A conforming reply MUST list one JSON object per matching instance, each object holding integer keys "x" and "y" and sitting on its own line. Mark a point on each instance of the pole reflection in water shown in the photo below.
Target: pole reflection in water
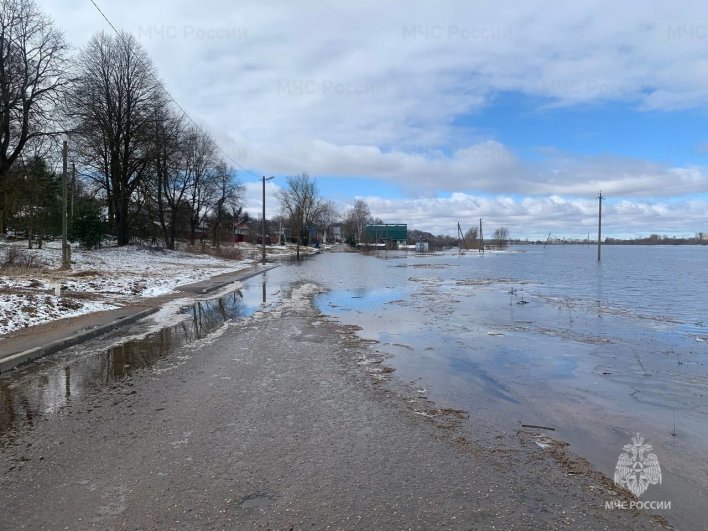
{"x": 45, "y": 387}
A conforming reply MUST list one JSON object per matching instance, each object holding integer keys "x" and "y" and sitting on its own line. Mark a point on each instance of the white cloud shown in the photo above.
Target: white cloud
{"x": 370, "y": 89}
{"x": 488, "y": 167}
{"x": 253, "y": 198}
{"x": 398, "y": 74}
{"x": 535, "y": 217}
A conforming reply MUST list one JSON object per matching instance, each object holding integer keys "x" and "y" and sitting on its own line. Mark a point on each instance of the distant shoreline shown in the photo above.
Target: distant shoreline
{"x": 663, "y": 243}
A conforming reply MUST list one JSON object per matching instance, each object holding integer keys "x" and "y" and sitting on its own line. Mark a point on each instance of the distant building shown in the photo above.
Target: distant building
{"x": 386, "y": 235}
{"x": 421, "y": 247}
{"x": 240, "y": 232}
{"x": 337, "y": 233}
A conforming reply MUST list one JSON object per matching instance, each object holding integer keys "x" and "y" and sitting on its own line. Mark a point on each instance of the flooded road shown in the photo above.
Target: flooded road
{"x": 269, "y": 423}
{"x": 44, "y": 387}
{"x": 599, "y": 352}
{"x": 549, "y": 337}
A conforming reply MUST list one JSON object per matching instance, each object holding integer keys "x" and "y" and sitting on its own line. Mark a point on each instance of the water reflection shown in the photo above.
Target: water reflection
{"x": 46, "y": 386}
{"x": 597, "y": 350}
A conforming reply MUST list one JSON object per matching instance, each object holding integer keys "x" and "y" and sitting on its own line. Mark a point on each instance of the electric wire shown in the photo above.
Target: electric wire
{"x": 169, "y": 94}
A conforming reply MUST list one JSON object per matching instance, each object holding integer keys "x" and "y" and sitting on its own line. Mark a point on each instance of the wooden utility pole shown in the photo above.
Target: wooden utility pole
{"x": 65, "y": 249}
{"x": 599, "y": 225}
{"x": 460, "y": 239}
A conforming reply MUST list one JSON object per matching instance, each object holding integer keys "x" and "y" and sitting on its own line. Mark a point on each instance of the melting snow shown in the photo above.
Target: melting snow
{"x": 99, "y": 280}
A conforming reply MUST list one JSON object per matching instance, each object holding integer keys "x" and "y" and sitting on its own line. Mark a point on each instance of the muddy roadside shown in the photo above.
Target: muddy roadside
{"x": 287, "y": 420}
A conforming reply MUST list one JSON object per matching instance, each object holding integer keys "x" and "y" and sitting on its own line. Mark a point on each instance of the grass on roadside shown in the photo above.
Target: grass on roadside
{"x": 16, "y": 261}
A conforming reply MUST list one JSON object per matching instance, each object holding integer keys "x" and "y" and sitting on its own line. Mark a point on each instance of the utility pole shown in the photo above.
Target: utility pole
{"x": 263, "y": 223}
{"x": 73, "y": 192}
{"x": 599, "y": 225}
{"x": 65, "y": 249}
{"x": 481, "y": 237}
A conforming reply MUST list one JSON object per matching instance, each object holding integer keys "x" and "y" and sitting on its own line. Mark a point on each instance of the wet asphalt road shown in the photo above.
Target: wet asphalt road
{"x": 272, "y": 425}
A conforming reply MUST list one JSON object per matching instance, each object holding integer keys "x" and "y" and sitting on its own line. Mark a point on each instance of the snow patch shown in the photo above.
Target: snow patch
{"x": 99, "y": 279}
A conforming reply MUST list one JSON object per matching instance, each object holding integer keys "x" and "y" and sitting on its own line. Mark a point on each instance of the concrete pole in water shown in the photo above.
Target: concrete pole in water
{"x": 263, "y": 223}
{"x": 599, "y": 225}
{"x": 481, "y": 237}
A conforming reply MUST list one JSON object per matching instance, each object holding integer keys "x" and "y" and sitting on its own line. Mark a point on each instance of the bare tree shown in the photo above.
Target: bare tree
{"x": 112, "y": 104}
{"x": 32, "y": 77}
{"x": 170, "y": 180}
{"x": 199, "y": 166}
{"x": 302, "y": 204}
{"x": 227, "y": 202}
{"x": 501, "y": 237}
{"x": 355, "y": 221}
{"x": 328, "y": 215}
{"x": 471, "y": 237}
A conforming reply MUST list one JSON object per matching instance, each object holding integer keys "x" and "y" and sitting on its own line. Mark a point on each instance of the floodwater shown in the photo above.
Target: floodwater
{"x": 549, "y": 337}
{"x": 46, "y": 386}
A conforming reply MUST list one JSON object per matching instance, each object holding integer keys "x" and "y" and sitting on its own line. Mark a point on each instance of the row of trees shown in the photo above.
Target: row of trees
{"x": 500, "y": 238}
{"x": 143, "y": 167}
{"x": 699, "y": 238}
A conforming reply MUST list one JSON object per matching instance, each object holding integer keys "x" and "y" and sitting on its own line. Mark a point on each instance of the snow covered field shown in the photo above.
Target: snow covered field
{"x": 98, "y": 280}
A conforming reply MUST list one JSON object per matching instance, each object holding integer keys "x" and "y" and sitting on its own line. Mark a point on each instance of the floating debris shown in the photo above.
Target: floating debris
{"x": 537, "y": 427}
{"x": 543, "y": 441}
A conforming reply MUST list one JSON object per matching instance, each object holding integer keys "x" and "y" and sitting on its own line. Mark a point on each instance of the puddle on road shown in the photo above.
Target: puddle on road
{"x": 257, "y": 501}
{"x": 43, "y": 387}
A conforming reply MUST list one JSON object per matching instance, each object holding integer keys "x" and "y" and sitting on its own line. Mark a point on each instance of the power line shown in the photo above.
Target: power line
{"x": 169, "y": 94}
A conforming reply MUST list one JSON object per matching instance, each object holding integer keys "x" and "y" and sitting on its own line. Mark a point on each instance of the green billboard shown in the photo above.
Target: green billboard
{"x": 387, "y": 232}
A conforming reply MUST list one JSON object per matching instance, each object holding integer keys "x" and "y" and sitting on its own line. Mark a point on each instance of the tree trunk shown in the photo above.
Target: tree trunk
{"x": 173, "y": 235}
{"x": 192, "y": 231}
{"x": 3, "y": 200}
{"x": 161, "y": 212}
{"x": 122, "y": 220}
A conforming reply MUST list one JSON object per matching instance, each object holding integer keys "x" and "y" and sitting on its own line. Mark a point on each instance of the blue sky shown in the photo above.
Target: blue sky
{"x": 528, "y": 125}
{"x": 438, "y": 113}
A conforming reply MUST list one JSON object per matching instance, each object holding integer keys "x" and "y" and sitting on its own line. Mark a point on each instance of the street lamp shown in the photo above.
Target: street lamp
{"x": 65, "y": 247}
{"x": 263, "y": 232}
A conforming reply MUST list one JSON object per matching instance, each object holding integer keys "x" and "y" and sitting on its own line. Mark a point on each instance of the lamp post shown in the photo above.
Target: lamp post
{"x": 65, "y": 248}
{"x": 263, "y": 231}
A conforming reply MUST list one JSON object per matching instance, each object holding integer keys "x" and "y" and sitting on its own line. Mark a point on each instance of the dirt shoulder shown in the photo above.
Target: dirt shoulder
{"x": 276, "y": 423}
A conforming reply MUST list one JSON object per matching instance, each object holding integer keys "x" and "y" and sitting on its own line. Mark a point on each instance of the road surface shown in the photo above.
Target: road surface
{"x": 272, "y": 424}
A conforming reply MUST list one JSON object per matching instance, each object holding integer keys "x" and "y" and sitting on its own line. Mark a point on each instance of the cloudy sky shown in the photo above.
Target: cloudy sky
{"x": 443, "y": 112}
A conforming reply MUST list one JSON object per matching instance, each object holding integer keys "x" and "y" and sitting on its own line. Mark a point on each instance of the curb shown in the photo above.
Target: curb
{"x": 240, "y": 279}
{"x": 13, "y": 361}
{"x": 20, "y": 358}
